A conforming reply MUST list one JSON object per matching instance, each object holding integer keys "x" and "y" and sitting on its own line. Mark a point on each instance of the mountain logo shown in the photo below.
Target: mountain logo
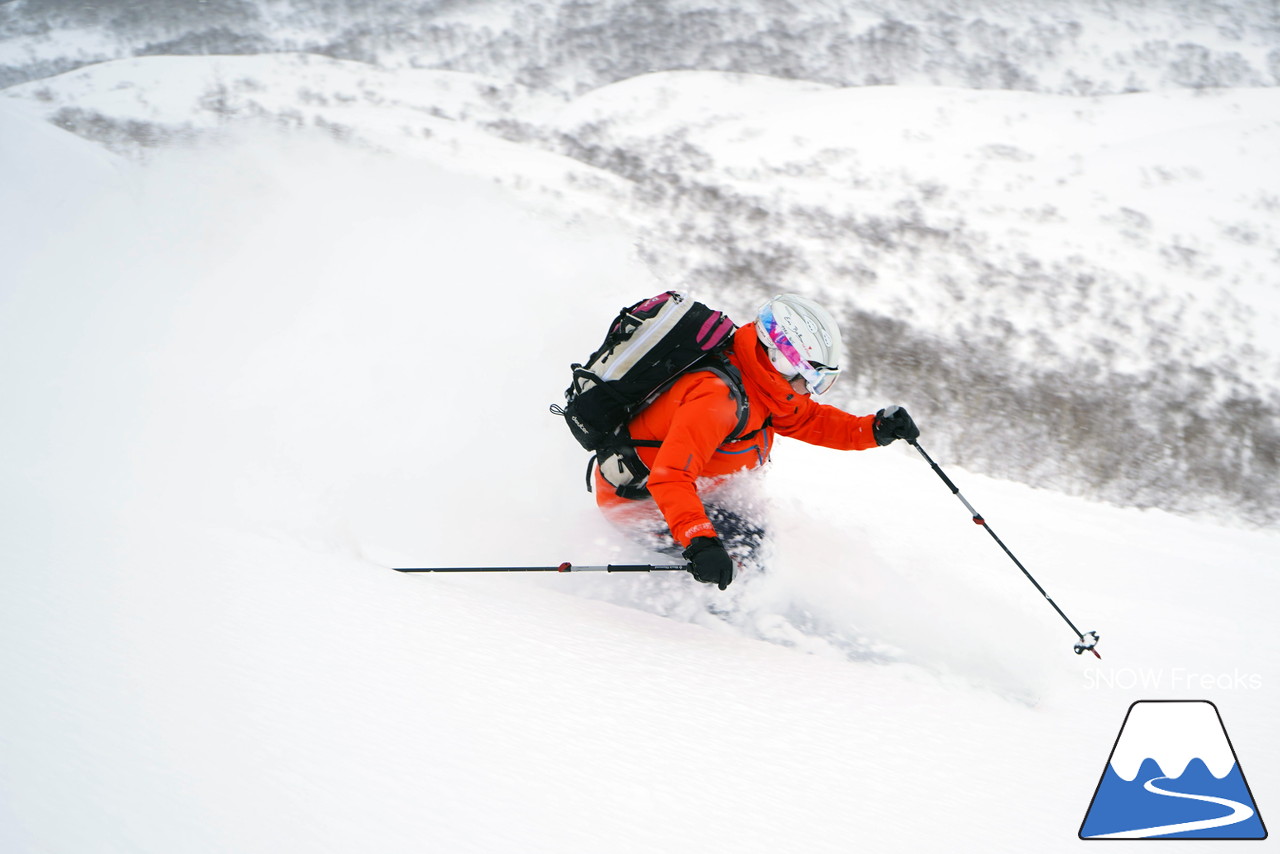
{"x": 1173, "y": 774}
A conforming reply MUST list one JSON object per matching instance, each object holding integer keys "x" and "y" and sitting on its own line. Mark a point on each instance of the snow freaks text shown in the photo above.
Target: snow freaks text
{"x": 1171, "y": 679}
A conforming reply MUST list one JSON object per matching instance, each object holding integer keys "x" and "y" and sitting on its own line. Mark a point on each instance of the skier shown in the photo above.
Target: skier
{"x": 791, "y": 351}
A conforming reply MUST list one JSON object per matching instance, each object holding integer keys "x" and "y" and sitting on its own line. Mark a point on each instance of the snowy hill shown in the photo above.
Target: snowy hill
{"x": 1079, "y": 47}
{"x": 1076, "y": 292}
{"x": 272, "y": 325}
{"x": 230, "y": 425}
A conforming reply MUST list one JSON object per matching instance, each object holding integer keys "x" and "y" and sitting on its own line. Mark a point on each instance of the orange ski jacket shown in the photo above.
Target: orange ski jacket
{"x": 694, "y": 417}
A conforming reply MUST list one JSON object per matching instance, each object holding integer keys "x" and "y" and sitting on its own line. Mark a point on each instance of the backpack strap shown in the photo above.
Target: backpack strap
{"x": 620, "y": 449}
{"x": 732, "y": 377}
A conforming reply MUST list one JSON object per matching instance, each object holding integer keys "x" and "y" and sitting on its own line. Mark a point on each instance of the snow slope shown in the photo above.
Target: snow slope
{"x": 243, "y": 380}
{"x": 1026, "y": 175}
{"x": 1079, "y": 47}
{"x": 1099, "y": 267}
{"x": 1139, "y": 185}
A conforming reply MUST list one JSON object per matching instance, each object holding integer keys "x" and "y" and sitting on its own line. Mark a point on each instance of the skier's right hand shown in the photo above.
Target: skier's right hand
{"x": 893, "y": 422}
{"x": 709, "y": 562}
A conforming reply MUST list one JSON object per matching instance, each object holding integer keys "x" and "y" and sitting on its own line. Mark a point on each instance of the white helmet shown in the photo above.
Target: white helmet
{"x": 802, "y": 338}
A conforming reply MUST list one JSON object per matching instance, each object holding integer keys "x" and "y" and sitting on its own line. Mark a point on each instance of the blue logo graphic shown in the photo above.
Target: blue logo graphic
{"x": 1173, "y": 774}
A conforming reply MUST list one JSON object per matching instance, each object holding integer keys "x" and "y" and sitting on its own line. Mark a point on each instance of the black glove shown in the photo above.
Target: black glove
{"x": 709, "y": 562}
{"x": 893, "y": 422}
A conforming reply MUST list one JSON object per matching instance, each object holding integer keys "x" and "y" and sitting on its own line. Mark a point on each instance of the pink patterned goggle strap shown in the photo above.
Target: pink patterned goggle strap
{"x": 818, "y": 378}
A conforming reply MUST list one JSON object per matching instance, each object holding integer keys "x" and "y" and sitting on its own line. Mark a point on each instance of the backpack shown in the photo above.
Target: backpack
{"x": 648, "y": 347}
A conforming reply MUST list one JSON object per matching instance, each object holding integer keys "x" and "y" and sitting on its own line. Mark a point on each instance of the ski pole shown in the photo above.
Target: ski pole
{"x": 564, "y": 567}
{"x": 1092, "y": 643}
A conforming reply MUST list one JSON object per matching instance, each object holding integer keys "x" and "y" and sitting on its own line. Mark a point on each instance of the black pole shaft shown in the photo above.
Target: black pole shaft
{"x": 977, "y": 518}
{"x": 564, "y": 567}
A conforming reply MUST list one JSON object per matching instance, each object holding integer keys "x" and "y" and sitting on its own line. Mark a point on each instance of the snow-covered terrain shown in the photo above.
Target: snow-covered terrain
{"x": 1080, "y": 290}
{"x": 1078, "y": 47}
{"x": 270, "y": 326}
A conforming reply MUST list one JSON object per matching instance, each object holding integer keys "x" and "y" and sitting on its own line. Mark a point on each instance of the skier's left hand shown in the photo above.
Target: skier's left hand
{"x": 893, "y": 422}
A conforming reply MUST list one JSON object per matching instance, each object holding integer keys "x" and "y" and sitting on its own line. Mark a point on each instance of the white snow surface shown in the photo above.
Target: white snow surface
{"x": 243, "y": 381}
{"x": 1172, "y": 192}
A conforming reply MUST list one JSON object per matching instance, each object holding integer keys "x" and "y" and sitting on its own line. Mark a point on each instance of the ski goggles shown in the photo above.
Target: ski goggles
{"x": 818, "y": 378}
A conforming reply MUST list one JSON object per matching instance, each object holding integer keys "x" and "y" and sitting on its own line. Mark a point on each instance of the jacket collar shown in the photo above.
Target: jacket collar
{"x": 762, "y": 381}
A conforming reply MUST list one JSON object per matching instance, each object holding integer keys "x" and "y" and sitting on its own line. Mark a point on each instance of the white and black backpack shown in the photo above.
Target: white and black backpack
{"x": 648, "y": 347}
